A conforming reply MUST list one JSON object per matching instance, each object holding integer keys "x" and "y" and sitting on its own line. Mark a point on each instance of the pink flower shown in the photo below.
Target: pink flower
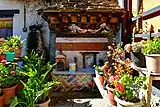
{"x": 116, "y": 77}
{"x": 104, "y": 68}
{"x": 111, "y": 79}
{"x": 2, "y": 39}
{"x": 4, "y": 61}
{"x": 12, "y": 73}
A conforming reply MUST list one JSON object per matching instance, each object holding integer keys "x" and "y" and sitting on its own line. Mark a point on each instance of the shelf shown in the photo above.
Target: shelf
{"x": 150, "y": 77}
{"x": 87, "y": 71}
{"x": 144, "y": 71}
{"x": 145, "y": 36}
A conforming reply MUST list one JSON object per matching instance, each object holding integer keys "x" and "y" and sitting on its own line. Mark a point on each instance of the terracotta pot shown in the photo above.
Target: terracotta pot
{"x": 20, "y": 85}
{"x": 9, "y": 93}
{"x": 153, "y": 63}
{"x": 122, "y": 103}
{"x": 111, "y": 96}
{"x": 2, "y": 57}
{"x": 1, "y": 100}
{"x": 18, "y": 52}
{"x": 101, "y": 79}
{"x": 45, "y": 104}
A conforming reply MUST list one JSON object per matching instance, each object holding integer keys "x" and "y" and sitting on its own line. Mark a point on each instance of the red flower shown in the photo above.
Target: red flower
{"x": 120, "y": 87}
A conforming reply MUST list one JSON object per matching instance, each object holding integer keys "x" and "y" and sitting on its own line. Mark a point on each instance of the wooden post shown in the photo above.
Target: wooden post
{"x": 130, "y": 9}
{"x": 148, "y": 92}
{"x": 52, "y": 46}
{"x": 140, "y": 23}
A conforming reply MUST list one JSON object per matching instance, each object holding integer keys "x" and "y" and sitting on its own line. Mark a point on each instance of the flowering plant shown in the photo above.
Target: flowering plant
{"x": 118, "y": 68}
{"x": 128, "y": 88}
{"x": 7, "y": 76}
{"x": 114, "y": 67}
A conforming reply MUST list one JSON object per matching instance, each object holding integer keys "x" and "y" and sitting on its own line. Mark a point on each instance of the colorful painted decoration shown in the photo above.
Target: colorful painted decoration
{"x": 83, "y": 19}
{"x": 64, "y": 19}
{"x": 74, "y": 18}
{"x": 53, "y": 19}
{"x": 93, "y": 19}
{"x": 6, "y": 22}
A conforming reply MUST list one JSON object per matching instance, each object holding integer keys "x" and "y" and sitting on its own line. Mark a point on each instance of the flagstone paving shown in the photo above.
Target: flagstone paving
{"x": 82, "y": 103}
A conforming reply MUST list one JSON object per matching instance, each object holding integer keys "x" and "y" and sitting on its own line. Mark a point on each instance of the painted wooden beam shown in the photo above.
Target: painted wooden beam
{"x": 149, "y": 14}
{"x": 8, "y": 12}
{"x": 82, "y": 46}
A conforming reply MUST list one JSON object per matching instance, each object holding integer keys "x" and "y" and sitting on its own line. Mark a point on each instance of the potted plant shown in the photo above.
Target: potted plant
{"x": 151, "y": 50}
{"x": 37, "y": 88}
{"x": 1, "y": 98}
{"x": 37, "y": 85}
{"x": 116, "y": 69}
{"x": 2, "y": 54}
{"x": 16, "y": 44}
{"x": 100, "y": 70}
{"x": 3, "y": 48}
{"x": 7, "y": 82}
{"x": 127, "y": 90}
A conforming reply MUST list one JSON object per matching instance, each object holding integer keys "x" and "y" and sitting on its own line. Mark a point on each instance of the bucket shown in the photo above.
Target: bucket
{"x": 72, "y": 67}
{"x": 10, "y": 56}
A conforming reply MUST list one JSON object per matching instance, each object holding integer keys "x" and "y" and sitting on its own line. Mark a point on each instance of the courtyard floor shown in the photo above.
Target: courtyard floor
{"x": 96, "y": 102}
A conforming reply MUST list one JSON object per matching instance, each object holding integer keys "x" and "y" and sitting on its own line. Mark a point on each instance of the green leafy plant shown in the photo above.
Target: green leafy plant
{"x": 128, "y": 88}
{"x": 4, "y": 47}
{"x": 15, "y": 42}
{"x": 152, "y": 46}
{"x": 137, "y": 46}
{"x": 11, "y": 44}
{"x": 37, "y": 87}
{"x": 39, "y": 65}
{"x": 8, "y": 77}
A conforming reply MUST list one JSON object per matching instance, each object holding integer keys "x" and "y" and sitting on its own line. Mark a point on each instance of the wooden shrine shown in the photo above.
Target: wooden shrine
{"x": 82, "y": 26}
{"x": 80, "y": 19}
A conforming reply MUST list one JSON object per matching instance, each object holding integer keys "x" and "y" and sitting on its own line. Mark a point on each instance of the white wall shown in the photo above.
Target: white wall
{"x": 71, "y": 54}
{"x": 18, "y": 20}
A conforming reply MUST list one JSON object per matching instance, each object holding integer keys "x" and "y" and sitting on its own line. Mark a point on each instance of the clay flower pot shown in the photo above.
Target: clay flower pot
{"x": 2, "y": 57}
{"x": 1, "y": 100}
{"x": 8, "y": 94}
{"x": 18, "y": 52}
{"x": 111, "y": 95}
{"x": 20, "y": 85}
{"x": 101, "y": 79}
{"x": 45, "y": 104}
